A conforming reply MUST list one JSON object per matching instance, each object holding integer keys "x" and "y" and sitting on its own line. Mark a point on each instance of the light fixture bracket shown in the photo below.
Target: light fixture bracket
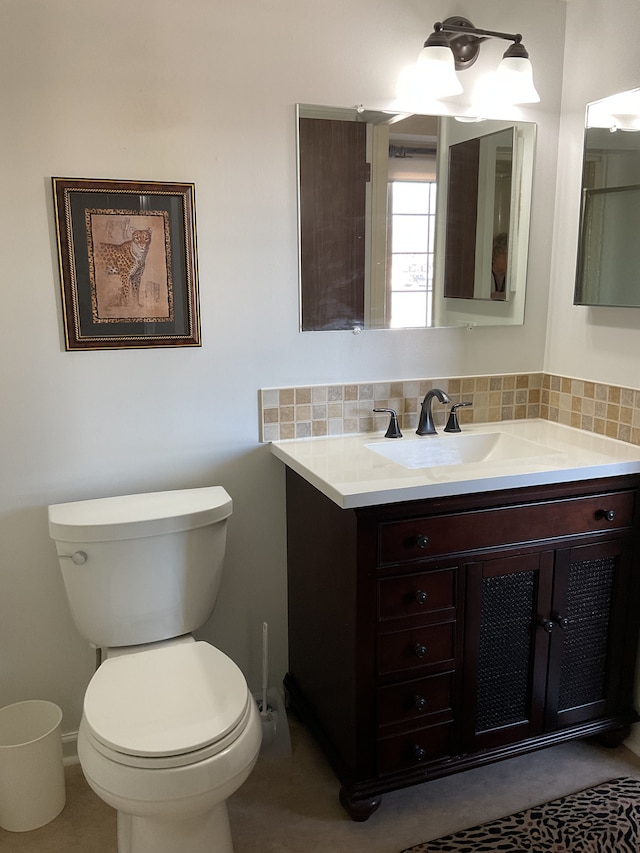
{"x": 464, "y": 39}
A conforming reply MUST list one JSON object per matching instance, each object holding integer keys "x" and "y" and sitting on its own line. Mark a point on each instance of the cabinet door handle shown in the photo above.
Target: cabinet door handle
{"x": 419, "y": 753}
{"x": 561, "y": 621}
{"x": 607, "y": 514}
{"x": 547, "y": 624}
{"x": 421, "y": 597}
{"x": 419, "y": 703}
{"x": 419, "y": 650}
{"x": 422, "y": 541}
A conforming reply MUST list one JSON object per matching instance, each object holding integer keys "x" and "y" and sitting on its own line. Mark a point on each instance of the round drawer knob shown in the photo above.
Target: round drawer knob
{"x": 607, "y": 514}
{"x": 420, "y": 650}
{"x": 422, "y": 541}
{"x": 421, "y": 597}
{"x": 419, "y": 703}
{"x": 419, "y": 753}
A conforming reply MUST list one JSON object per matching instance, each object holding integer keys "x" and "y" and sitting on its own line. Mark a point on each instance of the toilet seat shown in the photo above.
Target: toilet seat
{"x": 169, "y": 761}
{"x": 167, "y": 707}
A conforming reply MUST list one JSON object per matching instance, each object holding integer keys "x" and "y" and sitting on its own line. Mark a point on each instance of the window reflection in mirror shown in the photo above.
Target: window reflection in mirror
{"x": 609, "y": 249}
{"x": 376, "y": 221}
{"x": 410, "y": 216}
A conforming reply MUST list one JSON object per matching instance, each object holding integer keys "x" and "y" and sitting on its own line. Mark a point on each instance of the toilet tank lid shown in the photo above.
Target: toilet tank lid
{"x": 136, "y": 516}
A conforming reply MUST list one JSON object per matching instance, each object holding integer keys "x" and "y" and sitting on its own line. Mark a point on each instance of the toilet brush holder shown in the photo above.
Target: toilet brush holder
{"x": 276, "y": 741}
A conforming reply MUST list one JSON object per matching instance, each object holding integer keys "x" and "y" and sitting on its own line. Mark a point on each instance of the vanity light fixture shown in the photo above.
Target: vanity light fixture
{"x": 617, "y": 112}
{"x": 454, "y": 45}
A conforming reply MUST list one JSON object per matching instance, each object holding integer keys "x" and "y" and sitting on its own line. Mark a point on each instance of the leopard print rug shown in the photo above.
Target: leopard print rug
{"x": 604, "y": 819}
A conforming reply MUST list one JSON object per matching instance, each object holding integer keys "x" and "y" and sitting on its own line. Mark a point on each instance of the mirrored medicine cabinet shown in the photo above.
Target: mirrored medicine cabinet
{"x": 411, "y": 221}
{"x": 608, "y": 268}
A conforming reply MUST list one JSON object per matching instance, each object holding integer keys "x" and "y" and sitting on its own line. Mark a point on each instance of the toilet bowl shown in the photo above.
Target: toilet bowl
{"x": 166, "y": 736}
{"x": 169, "y": 728}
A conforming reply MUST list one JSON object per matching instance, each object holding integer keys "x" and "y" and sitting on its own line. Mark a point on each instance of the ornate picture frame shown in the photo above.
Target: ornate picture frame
{"x": 128, "y": 265}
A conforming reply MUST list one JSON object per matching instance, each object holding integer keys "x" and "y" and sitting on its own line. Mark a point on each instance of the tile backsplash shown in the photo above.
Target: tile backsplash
{"x": 317, "y": 410}
{"x": 593, "y": 406}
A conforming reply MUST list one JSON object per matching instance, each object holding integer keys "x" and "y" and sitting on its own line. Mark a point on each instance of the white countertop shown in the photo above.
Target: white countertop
{"x": 352, "y": 475}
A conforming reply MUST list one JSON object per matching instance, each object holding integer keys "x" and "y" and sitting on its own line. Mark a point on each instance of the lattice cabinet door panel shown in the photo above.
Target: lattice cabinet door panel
{"x": 506, "y": 648}
{"x": 589, "y": 613}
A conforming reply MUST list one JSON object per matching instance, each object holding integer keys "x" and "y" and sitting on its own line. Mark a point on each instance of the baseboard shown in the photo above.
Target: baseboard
{"x": 70, "y": 748}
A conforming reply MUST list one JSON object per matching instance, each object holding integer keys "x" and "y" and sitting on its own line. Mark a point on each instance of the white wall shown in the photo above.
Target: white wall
{"x": 202, "y": 91}
{"x": 601, "y": 58}
{"x": 600, "y": 344}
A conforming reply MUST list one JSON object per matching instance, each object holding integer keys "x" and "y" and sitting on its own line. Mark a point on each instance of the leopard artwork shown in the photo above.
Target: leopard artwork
{"x": 127, "y": 260}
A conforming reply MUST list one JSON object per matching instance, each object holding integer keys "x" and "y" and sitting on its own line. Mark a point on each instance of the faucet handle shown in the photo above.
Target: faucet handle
{"x": 453, "y": 424}
{"x": 393, "y": 430}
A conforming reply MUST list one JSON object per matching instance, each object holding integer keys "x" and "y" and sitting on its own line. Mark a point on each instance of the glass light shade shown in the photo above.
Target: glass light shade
{"x": 619, "y": 112}
{"x": 628, "y": 122}
{"x": 513, "y": 81}
{"x": 436, "y": 72}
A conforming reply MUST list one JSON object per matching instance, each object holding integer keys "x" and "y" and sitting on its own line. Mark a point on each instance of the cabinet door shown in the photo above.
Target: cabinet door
{"x": 590, "y": 603}
{"x": 506, "y": 648}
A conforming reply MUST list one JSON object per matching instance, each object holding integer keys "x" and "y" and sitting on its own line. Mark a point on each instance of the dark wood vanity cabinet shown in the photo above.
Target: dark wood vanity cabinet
{"x": 431, "y": 636}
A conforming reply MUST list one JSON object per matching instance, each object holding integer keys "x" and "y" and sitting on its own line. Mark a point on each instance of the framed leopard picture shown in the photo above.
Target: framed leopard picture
{"x": 128, "y": 266}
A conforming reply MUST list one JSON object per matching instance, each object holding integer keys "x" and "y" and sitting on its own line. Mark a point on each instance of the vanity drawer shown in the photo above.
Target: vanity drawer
{"x": 416, "y": 594}
{"x": 424, "y": 646}
{"x": 432, "y": 536}
{"x": 420, "y": 697}
{"x": 408, "y": 751}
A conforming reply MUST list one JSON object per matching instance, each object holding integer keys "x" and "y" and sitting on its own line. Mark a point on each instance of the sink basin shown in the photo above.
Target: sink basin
{"x": 432, "y": 451}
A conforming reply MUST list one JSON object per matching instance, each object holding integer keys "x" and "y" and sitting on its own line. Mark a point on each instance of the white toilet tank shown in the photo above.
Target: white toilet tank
{"x": 142, "y": 568}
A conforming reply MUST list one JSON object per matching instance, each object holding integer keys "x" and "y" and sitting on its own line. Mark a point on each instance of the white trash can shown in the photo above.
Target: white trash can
{"x": 32, "y": 788}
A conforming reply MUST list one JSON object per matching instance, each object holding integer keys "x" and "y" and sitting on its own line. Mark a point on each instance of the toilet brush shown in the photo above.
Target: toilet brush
{"x": 275, "y": 728}
{"x": 264, "y": 710}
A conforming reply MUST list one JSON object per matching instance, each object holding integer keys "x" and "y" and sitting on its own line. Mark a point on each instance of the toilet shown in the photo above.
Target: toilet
{"x": 169, "y": 729}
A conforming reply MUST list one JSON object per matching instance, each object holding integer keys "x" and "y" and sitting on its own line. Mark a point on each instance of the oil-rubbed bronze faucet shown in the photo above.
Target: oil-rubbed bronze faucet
{"x": 453, "y": 424}
{"x": 393, "y": 430}
{"x": 426, "y": 425}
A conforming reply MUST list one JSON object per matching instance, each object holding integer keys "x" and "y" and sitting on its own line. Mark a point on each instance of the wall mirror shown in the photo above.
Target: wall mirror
{"x": 411, "y": 221}
{"x": 608, "y": 247}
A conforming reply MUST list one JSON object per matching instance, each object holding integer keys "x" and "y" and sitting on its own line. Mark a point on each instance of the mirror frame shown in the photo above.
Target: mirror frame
{"x": 448, "y": 311}
{"x": 608, "y": 247}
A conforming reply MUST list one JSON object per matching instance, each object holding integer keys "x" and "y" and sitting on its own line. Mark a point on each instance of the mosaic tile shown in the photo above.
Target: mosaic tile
{"x": 307, "y": 411}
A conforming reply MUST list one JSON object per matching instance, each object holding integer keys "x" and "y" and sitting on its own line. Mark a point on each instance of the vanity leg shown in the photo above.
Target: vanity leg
{"x": 358, "y": 809}
{"x": 613, "y": 739}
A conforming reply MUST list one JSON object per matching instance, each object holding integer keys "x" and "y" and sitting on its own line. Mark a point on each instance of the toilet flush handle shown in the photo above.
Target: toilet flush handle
{"x": 78, "y": 557}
